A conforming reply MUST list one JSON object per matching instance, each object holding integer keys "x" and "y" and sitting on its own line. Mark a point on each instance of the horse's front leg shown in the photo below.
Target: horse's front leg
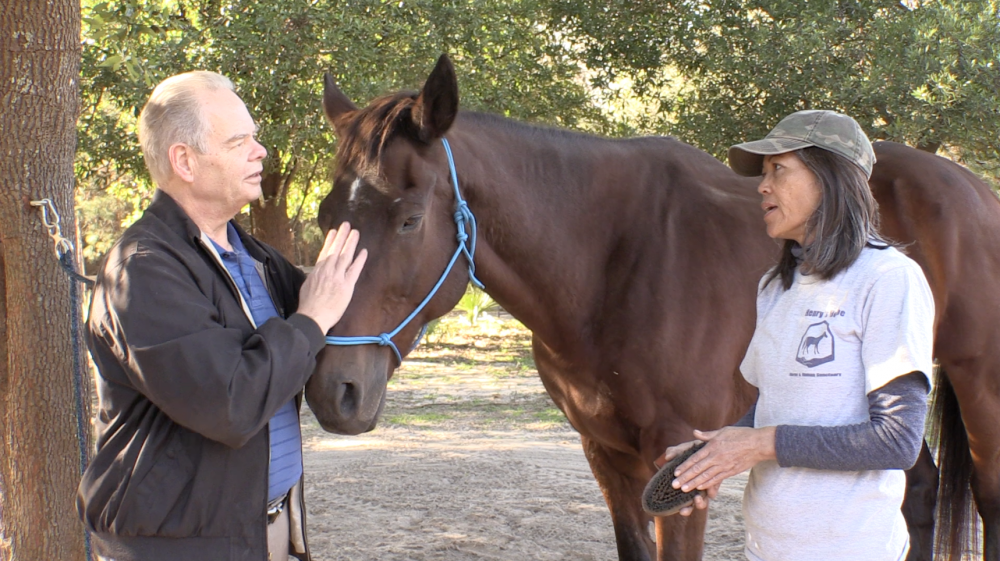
{"x": 681, "y": 537}
{"x": 623, "y": 495}
{"x": 918, "y": 506}
{"x": 678, "y": 538}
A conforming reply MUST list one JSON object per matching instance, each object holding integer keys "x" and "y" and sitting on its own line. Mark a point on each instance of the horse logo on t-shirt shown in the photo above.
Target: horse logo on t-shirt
{"x": 816, "y": 346}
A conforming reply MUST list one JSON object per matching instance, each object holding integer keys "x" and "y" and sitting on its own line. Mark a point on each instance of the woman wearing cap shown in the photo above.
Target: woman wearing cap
{"x": 841, "y": 356}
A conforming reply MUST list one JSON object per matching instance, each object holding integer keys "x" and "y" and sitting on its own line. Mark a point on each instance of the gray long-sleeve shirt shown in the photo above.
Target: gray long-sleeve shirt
{"x": 891, "y": 439}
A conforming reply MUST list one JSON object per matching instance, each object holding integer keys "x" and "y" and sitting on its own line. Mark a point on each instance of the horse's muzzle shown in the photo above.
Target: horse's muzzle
{"x": 347, "y": 409}
{"x": 345, "y": 394}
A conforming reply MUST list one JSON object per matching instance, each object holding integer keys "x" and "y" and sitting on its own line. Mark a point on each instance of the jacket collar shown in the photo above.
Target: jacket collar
{"x": 170, "y": 213}
{"x": 167, "y": 210}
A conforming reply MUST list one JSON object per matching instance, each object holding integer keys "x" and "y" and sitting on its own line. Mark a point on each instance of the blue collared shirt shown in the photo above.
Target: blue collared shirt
{"x": 286, "y": 436}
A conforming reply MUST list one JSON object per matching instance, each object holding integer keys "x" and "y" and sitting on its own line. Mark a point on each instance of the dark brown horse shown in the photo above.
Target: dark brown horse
{"x": 635, "y": 264}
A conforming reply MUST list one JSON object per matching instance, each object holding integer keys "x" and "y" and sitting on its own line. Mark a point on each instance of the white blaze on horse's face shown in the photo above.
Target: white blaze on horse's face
{"x": 355, "y": 188}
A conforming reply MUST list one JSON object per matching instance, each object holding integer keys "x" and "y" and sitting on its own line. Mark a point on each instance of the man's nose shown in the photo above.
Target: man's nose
{"x": 259, "y": 152}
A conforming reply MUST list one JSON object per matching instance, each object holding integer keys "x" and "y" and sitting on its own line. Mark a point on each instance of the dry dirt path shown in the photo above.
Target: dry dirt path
{"x": 472, "y": 461}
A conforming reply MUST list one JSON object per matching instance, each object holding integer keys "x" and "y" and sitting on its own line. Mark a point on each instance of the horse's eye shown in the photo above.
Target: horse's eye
{"x": 411, "y": 223}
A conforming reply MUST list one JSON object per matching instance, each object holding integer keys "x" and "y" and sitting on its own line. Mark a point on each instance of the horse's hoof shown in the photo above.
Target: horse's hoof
{"x": 660, "y": 498}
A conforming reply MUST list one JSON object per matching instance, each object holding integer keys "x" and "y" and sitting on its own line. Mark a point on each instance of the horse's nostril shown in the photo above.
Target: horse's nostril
{"x": 347, "y": 399}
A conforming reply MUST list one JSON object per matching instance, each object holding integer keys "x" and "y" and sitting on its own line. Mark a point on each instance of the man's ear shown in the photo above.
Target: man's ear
{"x": 183, "y": 161}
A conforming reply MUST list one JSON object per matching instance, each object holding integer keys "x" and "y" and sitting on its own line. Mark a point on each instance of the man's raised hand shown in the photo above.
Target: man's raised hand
{"x": 329, "y": 288}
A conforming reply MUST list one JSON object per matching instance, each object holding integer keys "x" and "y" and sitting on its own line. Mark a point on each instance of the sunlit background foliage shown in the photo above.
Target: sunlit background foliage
{"x": 711, "y": 72}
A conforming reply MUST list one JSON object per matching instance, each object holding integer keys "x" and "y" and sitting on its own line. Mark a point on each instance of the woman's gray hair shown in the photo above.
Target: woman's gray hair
{"x": 845, "y": 221}
{"x": 173, "y": 114}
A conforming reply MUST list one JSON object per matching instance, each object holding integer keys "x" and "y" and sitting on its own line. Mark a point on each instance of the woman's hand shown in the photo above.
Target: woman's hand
{"x": 730, "y": 451}
{"x": 674, "y": 451}
{"x": 700, "y": 502}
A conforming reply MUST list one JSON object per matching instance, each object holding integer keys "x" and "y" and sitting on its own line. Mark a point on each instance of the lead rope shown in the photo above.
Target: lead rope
{"x": 64, "y": 255}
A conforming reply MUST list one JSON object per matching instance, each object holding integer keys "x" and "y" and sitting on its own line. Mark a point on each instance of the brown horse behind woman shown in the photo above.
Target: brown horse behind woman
{"x": 635, "y": 264}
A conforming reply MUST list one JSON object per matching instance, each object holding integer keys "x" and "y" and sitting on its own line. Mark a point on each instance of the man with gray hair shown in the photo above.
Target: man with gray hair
{"x": 204, "y": 338}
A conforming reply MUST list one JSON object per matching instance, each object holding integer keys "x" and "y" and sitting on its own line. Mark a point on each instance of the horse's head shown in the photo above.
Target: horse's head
{"x": 391, "y": 182}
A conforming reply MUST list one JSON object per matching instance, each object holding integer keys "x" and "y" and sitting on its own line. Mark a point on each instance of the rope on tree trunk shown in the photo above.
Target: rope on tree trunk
{"x": 64, "y": 254}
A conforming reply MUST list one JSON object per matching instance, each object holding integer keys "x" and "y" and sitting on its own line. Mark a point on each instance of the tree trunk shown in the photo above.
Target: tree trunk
{"x": 41, "y": 462}
{"x": 269, "y": 214}
{"x": 5, "y": 545}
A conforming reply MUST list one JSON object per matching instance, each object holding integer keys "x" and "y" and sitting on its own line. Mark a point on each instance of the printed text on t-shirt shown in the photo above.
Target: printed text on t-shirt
{"x": 820, "y": 314}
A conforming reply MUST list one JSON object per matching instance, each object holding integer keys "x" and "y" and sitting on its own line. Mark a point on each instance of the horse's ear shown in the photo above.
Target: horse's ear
{"x": 437, "y": 105}
{"x": 335, "y": 103}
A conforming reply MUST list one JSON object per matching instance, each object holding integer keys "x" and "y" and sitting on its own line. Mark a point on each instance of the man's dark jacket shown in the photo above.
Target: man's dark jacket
{"x": 187, "y": 386}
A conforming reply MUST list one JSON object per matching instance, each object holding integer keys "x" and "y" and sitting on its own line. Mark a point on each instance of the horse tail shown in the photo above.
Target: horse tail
{"x": 957, "y": 520}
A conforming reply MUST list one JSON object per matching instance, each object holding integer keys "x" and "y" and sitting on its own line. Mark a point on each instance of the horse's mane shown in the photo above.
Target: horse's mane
{"x": 383, "y": 119}
{"x": 369, "y": 133}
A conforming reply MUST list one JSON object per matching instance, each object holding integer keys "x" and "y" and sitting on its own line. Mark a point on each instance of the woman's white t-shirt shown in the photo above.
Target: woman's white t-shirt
{"x": 818, "y": 349}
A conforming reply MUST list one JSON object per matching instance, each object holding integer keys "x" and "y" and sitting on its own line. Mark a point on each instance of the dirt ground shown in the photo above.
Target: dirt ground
{"x": 471, "y": 461}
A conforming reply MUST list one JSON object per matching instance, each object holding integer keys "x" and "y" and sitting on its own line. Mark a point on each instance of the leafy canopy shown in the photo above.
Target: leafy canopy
{"x": 723, "y": 71}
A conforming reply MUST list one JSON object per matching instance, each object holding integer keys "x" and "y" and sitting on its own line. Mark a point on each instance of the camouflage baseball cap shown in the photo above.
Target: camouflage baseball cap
{"x": 828, "y": 130}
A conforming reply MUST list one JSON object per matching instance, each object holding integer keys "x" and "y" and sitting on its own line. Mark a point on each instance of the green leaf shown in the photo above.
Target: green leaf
{"x": 113, "y": 62}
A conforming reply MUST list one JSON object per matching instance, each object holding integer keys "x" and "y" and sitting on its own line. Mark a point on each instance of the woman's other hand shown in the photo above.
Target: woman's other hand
{"x": 700, "y": 502}
{"x": 729, "y": 451}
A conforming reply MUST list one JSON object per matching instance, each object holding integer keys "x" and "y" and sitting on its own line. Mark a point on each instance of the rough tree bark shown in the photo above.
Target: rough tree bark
{"x": 5, "y": 541}
{"x": 41, "y": 460}
{"x": 269, "y": 216}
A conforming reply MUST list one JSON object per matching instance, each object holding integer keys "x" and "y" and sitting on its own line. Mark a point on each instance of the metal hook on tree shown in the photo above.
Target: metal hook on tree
{"x": 63, "y": 247}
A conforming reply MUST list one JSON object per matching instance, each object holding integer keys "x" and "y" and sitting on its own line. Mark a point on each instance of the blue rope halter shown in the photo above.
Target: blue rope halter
{"x": 466, "y": 246}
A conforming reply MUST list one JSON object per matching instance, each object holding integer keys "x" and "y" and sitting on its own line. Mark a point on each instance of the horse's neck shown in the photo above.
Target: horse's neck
{"x": 530, "y": 256}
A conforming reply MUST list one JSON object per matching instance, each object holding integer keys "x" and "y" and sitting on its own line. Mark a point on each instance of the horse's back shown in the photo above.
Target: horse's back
{"x": 921, "y": 186}
{"x": 949, "y": 222}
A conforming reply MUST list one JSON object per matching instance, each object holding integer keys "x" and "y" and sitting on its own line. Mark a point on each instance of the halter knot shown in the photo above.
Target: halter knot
{"x": 384, "y": 340}
{"x": 463, "y": 214}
